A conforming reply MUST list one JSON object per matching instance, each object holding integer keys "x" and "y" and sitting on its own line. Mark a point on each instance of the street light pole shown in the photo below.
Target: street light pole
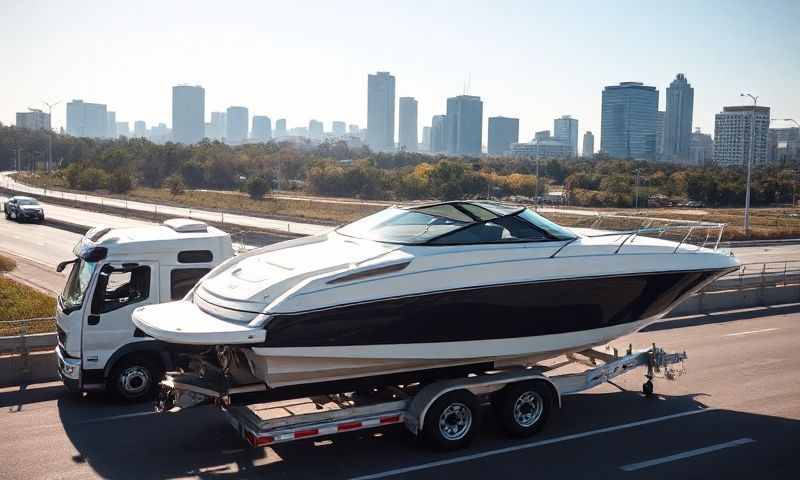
{"x": 750, "y": 159}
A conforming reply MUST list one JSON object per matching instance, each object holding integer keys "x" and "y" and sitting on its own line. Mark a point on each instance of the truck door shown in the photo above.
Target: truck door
{"x": 120, "y": 288}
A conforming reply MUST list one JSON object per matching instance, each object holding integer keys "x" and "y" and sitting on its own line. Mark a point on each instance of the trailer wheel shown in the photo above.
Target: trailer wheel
{"x": 452, "y": 421}
{"x": 647, "y": 388}
{"x": 135, "y": 378}
{"x": 523, "y": 408}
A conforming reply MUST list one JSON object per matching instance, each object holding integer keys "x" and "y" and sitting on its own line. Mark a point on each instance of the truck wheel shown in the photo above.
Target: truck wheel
{"x": 522, "y": 408}
{"x": 452, "y": 421}
{"x": 134, "y": 379}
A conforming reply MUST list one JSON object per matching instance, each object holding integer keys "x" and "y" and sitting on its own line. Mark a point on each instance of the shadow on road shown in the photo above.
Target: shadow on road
{"x": 24, "y": 396}
{"x": 710, "y": 318}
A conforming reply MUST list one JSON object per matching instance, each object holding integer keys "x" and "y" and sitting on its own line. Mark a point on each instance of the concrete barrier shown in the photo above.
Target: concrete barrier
{"x": 35, "y": 367}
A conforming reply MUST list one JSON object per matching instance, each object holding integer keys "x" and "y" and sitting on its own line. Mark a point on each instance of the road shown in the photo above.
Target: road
{"x": 735, "y": 414}
{"x": 239, "y": 221}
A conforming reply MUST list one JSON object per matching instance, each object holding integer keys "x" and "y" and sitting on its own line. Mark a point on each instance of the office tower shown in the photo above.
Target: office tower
{"x": 678, "y": 119}
{"x": 543, "y": 146}
{"x": 111, "y": 124}
{"x": 660, "y": 133}
{"x": 123, "y": 130}
{"x": 503, "y": 131}
{"x": 380, "y": 111}
{"x": 33, "y": 119}
{"x": 542, "y": 135}
{"x": 588, "y": 145}
{"x": 315, "y": 130}
{"x": 439, "y": 134}
{"x": 408, "y": 136}
{"x": 628, "y": 121}
{"x": 426, "y": 139}
{"x": 733, "y": 134}
{"x": 280, "y": 128}
{"x": 338, "y": 129}
{"x": 262, "y": 129}
{"x": 784, "y": 146}
{"x": 701, "y": 148}
{"x": 236, "y": 119}
{"x": 566, "y": 131}
{"x": 352, "y": 129}
{"x": 140, "y": 129}
{"x": 464, "y": 125}
{"x": 160, "y": 133}
{"x": 86, "y": 119}
{"x": 217, "y": 126}
{"x": 188, "y": 114}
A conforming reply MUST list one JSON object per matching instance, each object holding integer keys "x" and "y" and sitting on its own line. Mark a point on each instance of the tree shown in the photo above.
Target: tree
{"x": 175, "y": 185}
{"x": 92, "y": 179}
{"x": 258, "y": 186}
{"x": 120, "y": 182}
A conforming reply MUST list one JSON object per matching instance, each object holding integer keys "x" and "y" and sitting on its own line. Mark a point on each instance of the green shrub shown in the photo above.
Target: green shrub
{"x": 120, "y": 182}
{"x": 175, "y": 185}
{"x": 258, "y": 186}
{"x": 92, "y": 179}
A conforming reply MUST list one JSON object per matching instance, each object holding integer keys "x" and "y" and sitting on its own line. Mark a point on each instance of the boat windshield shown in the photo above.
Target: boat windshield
{"x": 460, "y": 224}
{"x": 77, "y": 283}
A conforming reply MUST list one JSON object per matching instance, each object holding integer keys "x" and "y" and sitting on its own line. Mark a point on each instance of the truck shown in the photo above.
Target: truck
{"x": 115, "y": 270}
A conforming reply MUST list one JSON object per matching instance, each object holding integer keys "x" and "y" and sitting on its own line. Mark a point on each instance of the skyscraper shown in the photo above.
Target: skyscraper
{"x": 140, "y": 129}
{"x": 86, "y": 119}
{"x": 262, "y": 129}
{"x": 503, "y": 131}
{"x": 426, "y": 139}
{"x": 408, "y": 124}
{"x": 701, "y": 148}
{"x": 111, "y": 124}
{"x": 678, "y": 119}
{"x": 380, "y": 111}
{"x": 660, "y": 133}
{"x": 236, "y": 120}
{"x": 315, "y": 130}
{"x": 33, "y": 119}
{"x": 464, "y": 125}
{"x": 733, "y": 134}
{"x": 566, "y": 131}
{"x": 188, "y": 113}
{"x": 217, "y": 126}
{"x": 628, "y": 121}
{"x": 280, "y": 128}
{"x": 123, "y": 129}
{"x": 439, "y": 134}
{"x": 352, "y": 129}
{"x": 588, "y": 145}
{"x": 338, "y": 129}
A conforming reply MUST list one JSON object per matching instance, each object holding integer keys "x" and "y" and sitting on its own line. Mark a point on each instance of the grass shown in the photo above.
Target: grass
{"x": 17, "y": 302}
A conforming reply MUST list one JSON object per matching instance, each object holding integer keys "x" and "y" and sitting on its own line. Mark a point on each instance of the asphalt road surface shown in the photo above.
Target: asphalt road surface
{"x": 734, "y": 414}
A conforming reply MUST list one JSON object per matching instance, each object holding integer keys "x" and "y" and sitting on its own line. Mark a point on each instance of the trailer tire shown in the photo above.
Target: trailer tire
{"x": 522, "y": 408}
{"x": 452, "y": 420}
{"x": 135, "y": 378}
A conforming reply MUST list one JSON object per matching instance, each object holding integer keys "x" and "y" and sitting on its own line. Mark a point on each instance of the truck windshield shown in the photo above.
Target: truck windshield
{"x": 77, "y": 283}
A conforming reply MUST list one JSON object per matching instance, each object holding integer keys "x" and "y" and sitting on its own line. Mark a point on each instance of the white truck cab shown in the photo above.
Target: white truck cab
{"x": 115, "y": 271}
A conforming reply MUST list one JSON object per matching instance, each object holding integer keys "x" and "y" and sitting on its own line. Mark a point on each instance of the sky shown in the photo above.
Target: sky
{"x": 534, "y": 60}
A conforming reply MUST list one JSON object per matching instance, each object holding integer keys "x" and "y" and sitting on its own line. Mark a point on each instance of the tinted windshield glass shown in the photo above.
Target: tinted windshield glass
{"x": 27, "y": 201}
{"x": 554, "y": 230}
{"x": 77, "y": 283}
{"x": 397, "y": 225}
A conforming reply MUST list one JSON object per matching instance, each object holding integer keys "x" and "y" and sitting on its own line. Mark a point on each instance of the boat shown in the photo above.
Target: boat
{"x": 417, "y": 289}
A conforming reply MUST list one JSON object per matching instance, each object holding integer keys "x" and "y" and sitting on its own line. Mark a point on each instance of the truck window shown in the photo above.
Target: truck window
{"x": 195, "y": 256}
{"x": 183, "y": 279}
{"x": 117, "y": 288}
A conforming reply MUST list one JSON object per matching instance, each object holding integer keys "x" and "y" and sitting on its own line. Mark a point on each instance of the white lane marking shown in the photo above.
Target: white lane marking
{"x": 549, "y": 441}
{"x": 691, "y": 453}
{"x": 763, "y": 330}
{"x": 115, "y": 417}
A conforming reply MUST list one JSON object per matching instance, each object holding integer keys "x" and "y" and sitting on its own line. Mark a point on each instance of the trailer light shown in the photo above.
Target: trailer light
{"x": 306, "y": 433}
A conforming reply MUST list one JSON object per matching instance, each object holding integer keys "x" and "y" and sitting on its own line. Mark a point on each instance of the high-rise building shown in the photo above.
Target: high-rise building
{"x": 628, "y": 121}
{"x": 236, "y": 120}
{"x": 262, "y": 128}
{"x": 503, "y": 131}
{"x": 216, "y": 129}
{"x": 542, "y": 135}
{"x": 733, "y": 134}
{"x": 784, "y": 146}
{"x": 464, "y": 125}
{"x": 426, "y": 139}
{"x": 315, "y": 130}
{"x": 701, "y": 148}
{"x": 33, "y": 119}
{"x": 123, "y": 129}
{"x": 160, "y": 133}
{"x": 380, "y": 111}
{"x": 678, "y": 119}
{"x": 439, "y": 134}
{"x": 660, "y": 133}
{"x": 188, "y": 114}
{"x": 86, "y": 119}
{"x": 280, "y": 128}
{"x": 111, "y": 124}
{"x": 338, "y": 129}
{"x": 408, "y": 136}
{"x": 140, "y": 129}
{"x": 566, "y": 131}
{"x": 352, "y": 129}
{"x": 588, "y": 145}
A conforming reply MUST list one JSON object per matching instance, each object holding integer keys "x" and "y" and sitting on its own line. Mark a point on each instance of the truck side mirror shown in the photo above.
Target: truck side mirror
{"x": 61, "y": 266}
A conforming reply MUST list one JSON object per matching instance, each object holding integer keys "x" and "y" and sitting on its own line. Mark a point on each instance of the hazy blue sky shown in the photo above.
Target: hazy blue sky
{"x": 310, "y": 59}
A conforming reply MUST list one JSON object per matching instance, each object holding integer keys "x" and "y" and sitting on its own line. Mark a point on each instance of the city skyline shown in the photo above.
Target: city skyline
{"x": 117, "y": 72}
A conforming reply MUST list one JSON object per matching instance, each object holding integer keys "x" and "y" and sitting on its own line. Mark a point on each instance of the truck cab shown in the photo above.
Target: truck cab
{"x": 113, "y": 272}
